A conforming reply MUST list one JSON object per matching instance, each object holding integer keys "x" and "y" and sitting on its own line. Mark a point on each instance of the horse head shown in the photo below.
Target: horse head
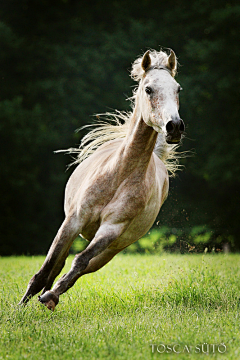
{"x": 157, "y": 97}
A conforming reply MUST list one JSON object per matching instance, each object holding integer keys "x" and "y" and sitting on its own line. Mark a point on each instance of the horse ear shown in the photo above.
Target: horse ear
{"x": 172, "y": 62}
{"x": 146, "y": 61}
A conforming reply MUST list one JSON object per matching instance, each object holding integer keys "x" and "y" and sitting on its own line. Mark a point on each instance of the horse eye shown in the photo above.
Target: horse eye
{"x": 179, "y": 89}
{"x": 148, "y": 90}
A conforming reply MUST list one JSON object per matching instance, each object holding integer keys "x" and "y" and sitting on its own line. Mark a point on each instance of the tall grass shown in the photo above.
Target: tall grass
{"x": 119, "y": 311}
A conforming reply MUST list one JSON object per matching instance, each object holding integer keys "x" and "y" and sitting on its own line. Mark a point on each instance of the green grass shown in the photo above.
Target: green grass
{"x": 119, "y": 311}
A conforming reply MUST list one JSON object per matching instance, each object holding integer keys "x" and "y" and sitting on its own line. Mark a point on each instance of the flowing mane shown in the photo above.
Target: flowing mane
{"x": 111, "y": 126}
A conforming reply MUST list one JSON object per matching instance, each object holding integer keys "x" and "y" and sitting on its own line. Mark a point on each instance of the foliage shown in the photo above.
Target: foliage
{"x": 61, "y": 62}
{"x": 119, "y": 311}
{"x": 160, "y": 240}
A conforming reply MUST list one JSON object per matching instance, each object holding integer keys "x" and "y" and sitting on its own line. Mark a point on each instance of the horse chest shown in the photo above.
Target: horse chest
{"x": 108, "y": 195}
{"x": 108, "y": 198}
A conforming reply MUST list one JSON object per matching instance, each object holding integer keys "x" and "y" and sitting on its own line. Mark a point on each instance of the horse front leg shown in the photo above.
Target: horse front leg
{"x": 55, "y": 259}
{"x": 82, "y": 263}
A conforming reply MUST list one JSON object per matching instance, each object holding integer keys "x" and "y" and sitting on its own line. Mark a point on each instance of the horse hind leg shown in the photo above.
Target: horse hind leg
{"x": 94, "y": 264}
{"x": 91, "y": 259}
{"x": 55, "y": 259}
{"x": 100, "y": 260}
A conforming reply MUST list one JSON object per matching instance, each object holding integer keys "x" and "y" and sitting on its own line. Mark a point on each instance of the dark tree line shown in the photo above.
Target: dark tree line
{"x": 62, "y": 61}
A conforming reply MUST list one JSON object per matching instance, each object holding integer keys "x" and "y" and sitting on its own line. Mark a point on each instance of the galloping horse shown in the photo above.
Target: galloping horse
{"x": 114, "y": 195}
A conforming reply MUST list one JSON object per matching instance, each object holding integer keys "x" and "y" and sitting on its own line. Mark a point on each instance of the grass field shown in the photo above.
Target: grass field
{"x": 121, "y": 311}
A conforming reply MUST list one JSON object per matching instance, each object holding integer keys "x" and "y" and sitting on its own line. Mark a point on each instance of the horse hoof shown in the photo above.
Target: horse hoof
{"x": 49, "y": 299}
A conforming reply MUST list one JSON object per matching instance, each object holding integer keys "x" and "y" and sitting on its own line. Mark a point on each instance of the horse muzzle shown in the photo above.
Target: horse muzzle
{"x": 175, "y": 128}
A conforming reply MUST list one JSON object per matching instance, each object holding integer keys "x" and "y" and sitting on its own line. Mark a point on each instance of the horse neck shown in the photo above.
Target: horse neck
{"x": 137, "y": 147}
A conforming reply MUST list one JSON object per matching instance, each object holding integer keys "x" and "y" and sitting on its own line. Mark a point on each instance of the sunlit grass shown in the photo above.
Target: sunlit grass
{"x": 119, "y": 311}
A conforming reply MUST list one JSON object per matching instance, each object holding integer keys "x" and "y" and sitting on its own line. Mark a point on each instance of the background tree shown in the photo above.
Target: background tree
{"x": 63, "y": 61}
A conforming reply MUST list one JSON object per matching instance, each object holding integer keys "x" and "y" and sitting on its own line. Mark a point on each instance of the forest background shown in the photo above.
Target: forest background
{"x": 63, "y": 61}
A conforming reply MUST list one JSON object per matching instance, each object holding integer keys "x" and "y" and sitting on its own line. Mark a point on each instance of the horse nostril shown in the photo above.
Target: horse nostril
{"x": 182, "y": 126}
{"x": 170, "y": 126}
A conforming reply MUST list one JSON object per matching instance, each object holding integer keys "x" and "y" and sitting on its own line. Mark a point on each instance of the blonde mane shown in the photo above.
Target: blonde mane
{"x": 111, "y": 126}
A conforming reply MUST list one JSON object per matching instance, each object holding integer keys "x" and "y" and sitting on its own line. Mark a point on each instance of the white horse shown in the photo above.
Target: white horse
{"x": 114, "y": 195}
